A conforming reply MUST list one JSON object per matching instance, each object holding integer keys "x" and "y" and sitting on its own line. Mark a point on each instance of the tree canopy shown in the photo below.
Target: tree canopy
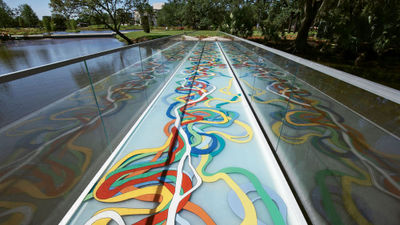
{"x": 6, "y": 15}
{"x": 354, "y": 26}
{"x": 28, "y": 16}
{"x": 111, "y": 13}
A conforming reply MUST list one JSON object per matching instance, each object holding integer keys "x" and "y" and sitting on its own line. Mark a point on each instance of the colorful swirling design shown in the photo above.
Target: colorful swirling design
{"x": 197, "y": 131}
{"x": 46, "y": 155}
{"x": 303, "y": 119}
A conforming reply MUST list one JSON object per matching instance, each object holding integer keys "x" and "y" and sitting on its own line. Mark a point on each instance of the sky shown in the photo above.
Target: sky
{"x": 41, "y": 7}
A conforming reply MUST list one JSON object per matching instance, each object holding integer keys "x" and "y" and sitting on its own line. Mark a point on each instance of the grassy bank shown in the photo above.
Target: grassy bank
{"x": 103, "y": 27}
{"x": 22, "y": 31}
{"x": 139, "y": 36}
{"x": 206, "y": 33}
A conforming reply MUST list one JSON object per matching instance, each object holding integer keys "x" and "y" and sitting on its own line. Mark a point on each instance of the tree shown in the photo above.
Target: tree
{"x": 145, "y": 11}
{"x": 310, "y": 11}
{"x": 111, "y": 13}
{"x": 58, "y": 22}
{"x": 275, "y": 16}
{"x": 28, "y": 16}
{"x": 172, "y": 13}
{"x": 46, "y": 20}
{"x": 67, "y": 8}
{"x": 6, "y": 15}
{"x": 360, "y": 28}
{"x": 243, "y": 19}
{"x": 71, "y": 24}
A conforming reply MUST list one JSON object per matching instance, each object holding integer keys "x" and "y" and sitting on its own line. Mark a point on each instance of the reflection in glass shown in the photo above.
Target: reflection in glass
{"x": 344, "y": 167}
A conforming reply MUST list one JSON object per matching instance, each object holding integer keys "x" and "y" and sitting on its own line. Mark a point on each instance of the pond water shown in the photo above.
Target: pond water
{"x": 23, "y": 54}
{"x": 23, "y": 96}
{"x": 92, "y": 31}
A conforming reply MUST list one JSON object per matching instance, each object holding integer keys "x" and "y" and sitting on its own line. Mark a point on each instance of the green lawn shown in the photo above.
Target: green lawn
{"x": 22, "y": 31}
{"x": 103, "y": 27}
{"x": 142, "y": 36}
{"x": 206, "y": 33}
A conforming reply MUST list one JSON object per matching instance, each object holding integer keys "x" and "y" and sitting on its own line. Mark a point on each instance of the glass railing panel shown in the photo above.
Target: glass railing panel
{"x": 116, "y": 87}
{"x": 161, "y": 59}
{"x": 49, "y": 122}
{"x": 58, "y": 127}
{"x": 337, "y": 142}
{"x": 376, "y": 108}
{"x": 345, "y": 164}
{"x": 128, "y": 89}
{"x": 154, "y": 64}
{"x": 266, "y": 85}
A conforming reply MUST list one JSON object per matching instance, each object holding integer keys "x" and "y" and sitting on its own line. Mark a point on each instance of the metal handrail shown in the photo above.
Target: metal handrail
{"x": 43, "y": 68}
{"x": 370, "y": 86}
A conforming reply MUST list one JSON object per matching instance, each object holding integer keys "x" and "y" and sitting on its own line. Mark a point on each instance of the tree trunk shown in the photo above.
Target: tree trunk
{"x": 115, "y": 27}
{"x": 290, "y": 22}
{"x": 296, "y": 22}
{"x": 145, "y": 23}
{"x": 311, "y": 8}
{"x": 124, "y": 37}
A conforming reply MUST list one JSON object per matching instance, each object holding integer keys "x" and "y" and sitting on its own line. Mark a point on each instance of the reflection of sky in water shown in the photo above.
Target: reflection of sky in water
{"x": 17, "y": 55}
{"x": 91, "y": 31}
{"x": 26, "y": 95}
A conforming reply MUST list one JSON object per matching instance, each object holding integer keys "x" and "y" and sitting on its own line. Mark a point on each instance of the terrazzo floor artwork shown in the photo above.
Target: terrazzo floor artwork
{"x": 197, "y": 157}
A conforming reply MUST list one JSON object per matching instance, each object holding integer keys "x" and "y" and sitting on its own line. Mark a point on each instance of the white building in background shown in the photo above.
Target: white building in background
{"x": 156, "y": 7}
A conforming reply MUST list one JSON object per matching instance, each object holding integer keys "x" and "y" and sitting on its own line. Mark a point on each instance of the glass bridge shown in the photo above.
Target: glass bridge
{"x": 197, "y": 132}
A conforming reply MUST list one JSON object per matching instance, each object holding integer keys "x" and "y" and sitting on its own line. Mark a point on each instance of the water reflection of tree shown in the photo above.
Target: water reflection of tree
{"x": 4, "y": 88}
{"x": 4, "y": 92}
{"x": 44, "y": 55}
{"x": 7, "y": 58}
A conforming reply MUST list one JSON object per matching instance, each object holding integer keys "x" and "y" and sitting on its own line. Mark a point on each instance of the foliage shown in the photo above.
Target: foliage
{"x": 206, "y": 33}
{"x": 198, "y": 14}
{"x": 68, "y": 8}
{"x": 146, "y": 12}
{"x": 46, "y": 21}
{"x": 359, "y": 27}
{"x": 111, "y": 13}
{"x": 145, "y": 23}
{"x": 58, "y": 22}
{"x": 28, "y": 16}
{"x": 71, "y": 25}
{"x": 21, "y": 31}
{"x": 351, "y": 27}
{"x": 243, "y": 20}
{"x": 172, "y": 14}
{"x": 6, "y": 15}
{"x": 141, "y": 35}
{"x": 276, "y": 17}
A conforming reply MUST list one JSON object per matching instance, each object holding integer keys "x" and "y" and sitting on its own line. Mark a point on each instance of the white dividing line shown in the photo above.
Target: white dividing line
{"x": 80, "y": 199}
{"x": 177, "y": 197}
{"x": 295, "y": 216}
